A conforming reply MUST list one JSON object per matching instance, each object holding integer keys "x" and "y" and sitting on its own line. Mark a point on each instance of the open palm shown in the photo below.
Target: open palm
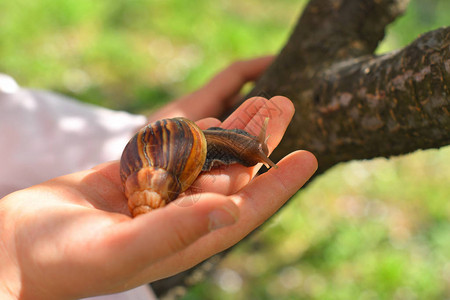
{"x": 73, "y": 236}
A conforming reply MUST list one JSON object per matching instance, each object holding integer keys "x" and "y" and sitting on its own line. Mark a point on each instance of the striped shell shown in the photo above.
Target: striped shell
{"x": 161, "y": 161}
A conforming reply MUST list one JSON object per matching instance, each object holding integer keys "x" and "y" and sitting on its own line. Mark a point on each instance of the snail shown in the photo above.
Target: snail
{"x": 164, "y": 158}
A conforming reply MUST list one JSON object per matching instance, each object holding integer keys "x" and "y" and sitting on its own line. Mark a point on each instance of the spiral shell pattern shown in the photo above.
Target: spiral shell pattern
{"x": 161, "y": 161}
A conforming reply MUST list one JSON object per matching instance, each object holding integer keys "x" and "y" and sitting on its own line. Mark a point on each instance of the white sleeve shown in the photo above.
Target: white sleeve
{"x": 44, "y": 135}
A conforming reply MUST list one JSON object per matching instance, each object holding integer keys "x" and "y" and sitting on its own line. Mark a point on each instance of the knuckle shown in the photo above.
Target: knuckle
{"x": 180, "y": 238}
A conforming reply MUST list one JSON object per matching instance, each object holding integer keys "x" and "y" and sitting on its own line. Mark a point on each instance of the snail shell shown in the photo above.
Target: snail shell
{"x": 156, "y": 167}
{"x": 164, "y": 158}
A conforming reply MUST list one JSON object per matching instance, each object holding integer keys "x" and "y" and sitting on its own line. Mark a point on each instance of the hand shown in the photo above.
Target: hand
{"x": 73, "y": 237}
{"x": 220, "y": 94}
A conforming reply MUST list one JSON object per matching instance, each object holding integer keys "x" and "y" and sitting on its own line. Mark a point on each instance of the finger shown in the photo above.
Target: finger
{"x": 217, "y": 95}
{"x": 268, "y": 192}
{"x": 249, "y": 116}
{"x": 257, "y": 202}
{"x": 229, "y": 82}
{"x": 208, "y": 122}
{"x": 220, "y": 92}
{"x": 244, "y": 113}
{"x": 163, "y": 232}
{"x": 280, "y": 111}
{"x": 251, "y": 69}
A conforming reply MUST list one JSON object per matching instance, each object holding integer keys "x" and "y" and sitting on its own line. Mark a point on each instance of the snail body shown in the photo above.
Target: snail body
{"x": 228, "y": 146}
{"x": 164, "y": 158}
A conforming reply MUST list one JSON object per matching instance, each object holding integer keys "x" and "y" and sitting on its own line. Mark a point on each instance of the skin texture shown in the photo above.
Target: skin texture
{"x": 73, "y": 236}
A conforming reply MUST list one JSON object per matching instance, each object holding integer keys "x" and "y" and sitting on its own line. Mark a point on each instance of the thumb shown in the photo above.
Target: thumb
{"x": 168, "y": 230}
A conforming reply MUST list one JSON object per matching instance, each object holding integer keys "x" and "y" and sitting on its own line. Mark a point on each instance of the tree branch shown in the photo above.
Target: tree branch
{"x": 349, "y": 103}
{"x": 328, "y": 31}
{"x": 332, "y": 30}
{"x": 374, "y": 105}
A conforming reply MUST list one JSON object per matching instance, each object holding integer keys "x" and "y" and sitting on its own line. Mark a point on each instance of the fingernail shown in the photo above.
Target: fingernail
{"x": 220, "y": 218}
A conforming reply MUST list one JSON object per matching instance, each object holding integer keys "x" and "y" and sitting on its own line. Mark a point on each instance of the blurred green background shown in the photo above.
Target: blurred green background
{"x": 376, "y": 229}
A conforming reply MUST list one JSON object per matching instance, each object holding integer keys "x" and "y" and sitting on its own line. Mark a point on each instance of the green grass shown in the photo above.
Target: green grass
{"x": 364, "y": 230}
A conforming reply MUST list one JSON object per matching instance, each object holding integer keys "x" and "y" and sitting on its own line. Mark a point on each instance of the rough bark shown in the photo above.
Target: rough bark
{"x": 373, "y": 106}
{"x": 351, "y": 104}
